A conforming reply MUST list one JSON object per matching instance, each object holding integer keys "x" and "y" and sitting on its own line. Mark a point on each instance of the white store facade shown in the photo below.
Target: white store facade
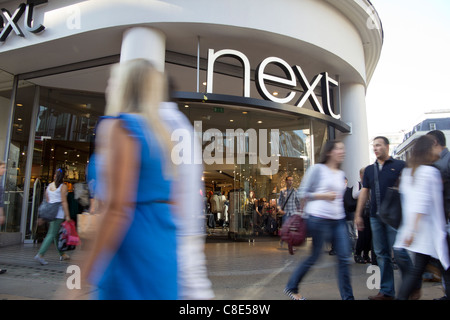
{"x": 298, "y": 68}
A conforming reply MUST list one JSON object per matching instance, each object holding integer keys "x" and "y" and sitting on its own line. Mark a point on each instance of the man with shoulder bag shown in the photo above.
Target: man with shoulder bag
{"x": 288, "y": 202}
{"x": 378, "y": 178}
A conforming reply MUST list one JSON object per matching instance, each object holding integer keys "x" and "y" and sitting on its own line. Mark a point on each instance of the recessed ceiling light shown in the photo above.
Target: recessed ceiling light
{"x": 259, "y": 121}
{"x": 275, "y": 93}
{"x": 244, "y": 112}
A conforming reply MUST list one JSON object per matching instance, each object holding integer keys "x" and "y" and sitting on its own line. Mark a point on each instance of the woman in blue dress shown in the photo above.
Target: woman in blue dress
{"x": 134, "y": 254}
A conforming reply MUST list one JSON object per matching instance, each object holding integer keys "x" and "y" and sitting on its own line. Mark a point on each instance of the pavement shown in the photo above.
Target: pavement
{"x": 238, "y": 270}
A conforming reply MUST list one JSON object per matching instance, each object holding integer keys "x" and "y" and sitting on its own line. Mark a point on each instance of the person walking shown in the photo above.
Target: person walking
{"x": 388, "y": 171}
{"x": 423, "y": 228}
{"x": 55, "y": 192}
{"x": 364, "y": 238}
{"x": 134, "y": 255}
{"x": 288, "y": 201}
{"x": 322, "y": 191}
{"x": 193, "y": 282}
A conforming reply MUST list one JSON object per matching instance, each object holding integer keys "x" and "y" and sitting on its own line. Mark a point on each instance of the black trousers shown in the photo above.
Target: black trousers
{"x": 414, "y": 277}
{"x": 364, "y": 241}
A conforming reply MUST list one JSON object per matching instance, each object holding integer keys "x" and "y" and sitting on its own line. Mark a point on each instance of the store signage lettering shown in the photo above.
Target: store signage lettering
{"x": 9, "y": 22}
{"x": 292, "y": 75}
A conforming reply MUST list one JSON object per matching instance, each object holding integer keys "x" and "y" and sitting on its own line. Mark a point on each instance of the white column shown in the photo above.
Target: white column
{"x": 146, "y": 43}
{"x": 353, "y": 112}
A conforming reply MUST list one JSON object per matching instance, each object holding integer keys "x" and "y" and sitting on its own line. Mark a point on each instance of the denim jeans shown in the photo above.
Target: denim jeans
{"x": 383, "y": 237}
{"x": 322, "y": 230}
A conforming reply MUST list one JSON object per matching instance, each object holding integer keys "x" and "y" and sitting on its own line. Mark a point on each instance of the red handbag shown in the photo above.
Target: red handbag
{"x": 293, "y": 232}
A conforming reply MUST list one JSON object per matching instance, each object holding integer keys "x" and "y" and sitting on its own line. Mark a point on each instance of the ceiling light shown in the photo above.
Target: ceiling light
{"x": 259, "y": 121}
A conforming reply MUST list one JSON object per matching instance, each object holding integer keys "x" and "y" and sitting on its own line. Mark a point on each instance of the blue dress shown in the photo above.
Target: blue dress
{"x": 145, "y": 265}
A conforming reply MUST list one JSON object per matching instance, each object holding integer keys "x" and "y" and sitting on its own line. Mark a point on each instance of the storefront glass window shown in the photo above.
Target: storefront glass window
{"x": 242, "y": 179}
{"x": 6, "y": 85}
{"x": 17, "y": 157}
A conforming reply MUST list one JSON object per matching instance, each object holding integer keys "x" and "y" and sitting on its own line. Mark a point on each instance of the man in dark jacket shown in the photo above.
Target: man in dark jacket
{"x": 383, "y": 236}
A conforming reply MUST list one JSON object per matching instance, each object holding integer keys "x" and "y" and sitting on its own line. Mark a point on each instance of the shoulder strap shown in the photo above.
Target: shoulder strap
{"x": 377, "y": 185}
{"x": 287, "y": 199}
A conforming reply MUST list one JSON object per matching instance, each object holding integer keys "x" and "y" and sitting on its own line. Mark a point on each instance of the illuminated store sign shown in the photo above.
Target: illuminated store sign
{"x": 292, "y": 75}
{"x": 9, "y": 22}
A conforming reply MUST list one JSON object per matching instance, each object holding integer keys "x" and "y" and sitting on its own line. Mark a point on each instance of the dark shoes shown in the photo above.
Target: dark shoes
{"x": 381, "y": 296}
{"x": 2, "y": 271}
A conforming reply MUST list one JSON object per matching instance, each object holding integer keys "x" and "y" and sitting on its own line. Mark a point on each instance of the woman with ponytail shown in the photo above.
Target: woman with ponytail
{"x": 55, "y": 192}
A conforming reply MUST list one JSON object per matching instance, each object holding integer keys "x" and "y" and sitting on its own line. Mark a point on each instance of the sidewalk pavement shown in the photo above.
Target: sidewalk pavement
{"x": 238, "y": 271}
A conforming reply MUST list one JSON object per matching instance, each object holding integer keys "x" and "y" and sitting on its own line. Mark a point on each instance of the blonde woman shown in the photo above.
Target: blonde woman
{"x": 134, "y": 256}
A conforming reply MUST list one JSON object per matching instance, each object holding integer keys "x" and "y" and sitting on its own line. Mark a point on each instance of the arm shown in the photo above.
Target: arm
{"x": 410, "y": 239}
{"x": 362, "y": 199}
{"x": 64, "y": 203}
{"x": 2, "y": 216}
{"x": 121, "y": 173}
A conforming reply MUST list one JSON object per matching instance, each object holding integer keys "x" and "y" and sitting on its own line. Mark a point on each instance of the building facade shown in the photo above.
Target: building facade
{"x": 265, "y": 84}
{"x": 435, "y": 120}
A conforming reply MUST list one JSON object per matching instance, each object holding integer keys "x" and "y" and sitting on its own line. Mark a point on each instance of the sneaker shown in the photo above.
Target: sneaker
{"x": 2, "y": 271}
{"x": 41, "y": 260}
{"x": 290, "y": 294}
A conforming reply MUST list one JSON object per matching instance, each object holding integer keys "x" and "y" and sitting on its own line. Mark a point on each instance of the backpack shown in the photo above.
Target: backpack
{"x": 349, "y": 202}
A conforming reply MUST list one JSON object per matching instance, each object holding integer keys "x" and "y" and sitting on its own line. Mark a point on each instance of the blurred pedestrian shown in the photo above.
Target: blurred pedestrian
{"x": 188, "y": 214}
{"x": 2, "y": 211}
{"x": 423, "y": 228}
{"x": 288, "y": 201}
{"x": 55, "y": 192}
{"x": 364, "y": 239}
{"x": 350, "y": 207}
{"x": 134, "y": 255}
{"x": 323, "y": 189}
{"x": 443, "y": 164}
{"x": 378, "y": 177}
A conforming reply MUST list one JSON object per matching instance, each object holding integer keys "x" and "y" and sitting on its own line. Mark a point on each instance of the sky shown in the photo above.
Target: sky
{"x": 413, "y": 73}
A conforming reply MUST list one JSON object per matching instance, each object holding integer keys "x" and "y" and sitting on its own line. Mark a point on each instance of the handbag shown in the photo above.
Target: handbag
{"x": 87, "y": 224}
{"x": 47, "y": 211}
{"x": 390, "y": 210}
{"x": 68, "y": 238}
{"x": 293, "y": 232}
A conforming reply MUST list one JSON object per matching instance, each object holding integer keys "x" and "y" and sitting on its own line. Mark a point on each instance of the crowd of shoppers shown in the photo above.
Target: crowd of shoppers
{"x": 150, "y": 245}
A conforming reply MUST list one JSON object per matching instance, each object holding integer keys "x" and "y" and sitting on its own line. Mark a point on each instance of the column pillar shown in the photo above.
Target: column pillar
{"x": 353, "y": 112}
{"x": 146, "y": 43}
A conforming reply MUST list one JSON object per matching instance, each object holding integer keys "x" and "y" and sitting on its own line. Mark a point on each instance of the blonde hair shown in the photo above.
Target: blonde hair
{"x": 136, "y": 86}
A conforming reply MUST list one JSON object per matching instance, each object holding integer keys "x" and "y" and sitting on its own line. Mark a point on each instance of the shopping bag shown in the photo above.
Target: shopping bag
{"x": 68, "y": 237}
{"x": 293, "y": 232}
{"x": 87, "y": 225}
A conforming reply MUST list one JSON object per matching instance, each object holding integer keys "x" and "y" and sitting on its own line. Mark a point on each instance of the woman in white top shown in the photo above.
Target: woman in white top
{"x": 423, "y": 228}
{"x": 323, "y": 189}
{"x": 55, "y": 192}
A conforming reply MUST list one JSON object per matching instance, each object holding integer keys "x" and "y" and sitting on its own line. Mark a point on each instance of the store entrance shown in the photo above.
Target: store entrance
{"x": 243, "y": 175}
{"x": 64, "y": 138}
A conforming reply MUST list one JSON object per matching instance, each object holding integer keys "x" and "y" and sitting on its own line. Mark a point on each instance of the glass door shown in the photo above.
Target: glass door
{"x": 64, "y": 138}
